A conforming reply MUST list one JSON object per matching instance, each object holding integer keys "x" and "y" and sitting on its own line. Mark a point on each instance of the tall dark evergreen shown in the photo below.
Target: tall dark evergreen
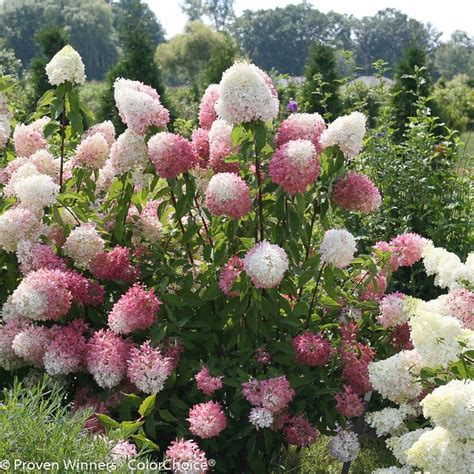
{"x": 321, "y": 90}
{"x": 137, "y": 60}
{"x": 50, "y": 40}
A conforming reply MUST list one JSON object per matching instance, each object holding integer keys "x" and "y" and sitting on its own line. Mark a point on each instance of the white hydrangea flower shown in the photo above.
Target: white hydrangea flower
{"x": 451, "y": 406}
{"x": 344, "y": 446}
{"x": 83, "y": 244}
{"x": 347, "y": 132}
{"x": 400, "y": 444}
{"x": 394, "y": 378}
{"x": 66, "y": 66}
{"x": 24, "y": 171}
{"x": 266, "y": 264}
{"x": 36, "y": 192}
{"x": 392, "y": 470}
{"x": 260, "y": 417}
{"x": 390, "y": 420}
{"x": 436, "y": 337}
{"x": 128, "y": 153}
{"x": 300, "y": 152}
{"x": 438, "y": 451}
{"x": 246, "y": 94}
{"x": 223, "y": 188}
{"x": 338, "y": 247}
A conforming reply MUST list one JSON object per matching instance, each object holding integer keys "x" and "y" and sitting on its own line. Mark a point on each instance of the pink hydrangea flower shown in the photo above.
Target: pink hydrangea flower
{"x": 294, "y": 166}
{"x": 392, "y": 310}
{"x": 273, "y": 394}
{"x": 207, "y": 420}
{"x": 45, "y": 163}
{"x": 123, "y": 450}
{"x": 302, "y": 127}
{"x": 134, "y": 311}
{"x": 92, "y": 152}
{"x": 300, "y": 432}
{"x": 29, "y": 138}
{"x": 400, "y": 338}
{"x": 386, "y": 247}
{"x": 460, "y": 304}
{"x": 65, "y": 355}
{"x": 171, "y": 154}
{"x": 228, "y": 194}
{"x": 348, "y": 403}
{"x": 356, "y": 192}
{"x": 148, "y": 369}
{"x": 376, "y": 287}
{"x": 200, "y": 140}
{"x": 84, "y": 291}
{"x": 312, "y": 349}
{"x": 185, "y": 456}
{"x": 207, "y": 111}
{"x": 114, "y": 265}
{"x": 172, "y": 348}
{"x": 220, "y": 147}
{"x": 232, "y": 270}
{"x": 18, "y": 224}
{"x": 139, "y": 105}
{"x": 106, "y": 128}
{"x": 408, "y": 248}
{"x": 85, "y": 399}
{"x": 262, "y": 356}
{"x": 106, "y": 358}
{"x": 31, "y": 343}
{"x": 9, "y": 360}
{"x": 35, "y": 256}
{"x": 206, "y": 382}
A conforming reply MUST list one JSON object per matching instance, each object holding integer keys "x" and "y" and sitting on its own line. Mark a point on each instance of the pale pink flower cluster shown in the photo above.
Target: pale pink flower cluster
{"x": 232, "y": 270}
{"x": 106, "y": 129}
{"x": 123, "y": 450}
{"x": 300, "y": 432}
{"x": 302, "y": 127}
{"x": 206, "y": 382}
{"x": 186, "y": 457}
{"x": 18, "y": 224}
{"x": 106, "y": 358}
{"x": 273, "y": 394}
{"x": 246, "y": 94}
{"x": 36, "y": 191}
{"x": 66, "y": 352}
{"x": 35, "y": 256}
{"x": 83, "y": 245}
{"x": 9, "y": 360}
{"x": 408, "y": 248}
{"x": 375, "y": 289}
{"x": 139, "y": 105}
{"x": 207, "y": 110}
{"x": 266, "y": 264}
{"x": 207, "y": 420}
{"x": 31, "y": 343}
{"x": 28, "y": 139}
{"x": 220, "y": 147}
{"x": 171, "y": 154}
{"x": 344, "y": 446}
{"x": 92, "y": 152}
{"x": 338, "y": 247}
{"x": 114, "y": 265}
{"x": 392, "y": 310}
{"x": 460, "y": 303}
{"x": 134, "y": 311}
{"x": 149, "y": 223}
{"x": 312, "y": 349}
{"x": 261, "y": 417}
{"x": 128, "y": 153}
{"x": 386, "y": 247}
{"x": 148, "y": 369}
{"x": 294, "y": 166}
{"x": 356, "y": 192}
{"x": 228, "y": 194}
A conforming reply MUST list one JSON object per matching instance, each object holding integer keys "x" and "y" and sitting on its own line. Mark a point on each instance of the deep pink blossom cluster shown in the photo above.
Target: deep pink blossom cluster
{"x": 312, "y": 349}
{"x": 32, "y": 257}
{"x": 349, "y": 403}
{"x": 200, "y": 140}
{"x": 183, "y": 453}
{"x": 356, "y": 192}
{"x": 375, "y": 288}
{"x": 400, "y": 338}
{"x": 114, "y": 265}
{"x": 171, "y": 154}
{"x": 229, "y": 274}
{"x": 300, "y": 432}
{"x": 134, "y": 311}
{"x": 207, "y": 110}
{"x": 206, "y": 382}
{"x": 207, "y": 420}
{"x": 274, "y": 394}
{"x": 408, "y": 248}
{"x": 302, "y": 127}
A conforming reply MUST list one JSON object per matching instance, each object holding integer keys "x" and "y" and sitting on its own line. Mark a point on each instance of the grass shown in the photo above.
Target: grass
{"x": 467, "y": 150}
{"x": 317, "y": 460}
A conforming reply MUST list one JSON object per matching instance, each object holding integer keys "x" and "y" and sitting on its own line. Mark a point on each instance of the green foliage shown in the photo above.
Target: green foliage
{"x": 456, "y": 56}
{"x": 36, "y": 425}
{"x": 321, "y": 89}
{"x": 137, "y": 60}
{"x": 9, "y": 63}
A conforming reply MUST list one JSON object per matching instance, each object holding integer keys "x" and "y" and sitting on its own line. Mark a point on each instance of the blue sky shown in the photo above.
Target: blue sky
{"x": 446, "y": 16}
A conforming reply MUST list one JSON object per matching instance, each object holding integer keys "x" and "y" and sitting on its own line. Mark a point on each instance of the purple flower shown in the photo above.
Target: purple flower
{"x": 292, "y": 106}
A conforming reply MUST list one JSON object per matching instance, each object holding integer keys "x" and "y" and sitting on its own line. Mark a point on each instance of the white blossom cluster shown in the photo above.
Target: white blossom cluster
{"x": 347, "y": 132}
{"x": 451, "y": 406}
{"x": 395, "y": 378}
{"x": 245, "y": 95}
{"x": 392, "y": 470}
{"x": 344, "y": 446}
{"x": 83, "y": 244}
{"x": 66, "y": 66}
{"x": 300, "y": 152}
{"x": 338, "y": 247}
{"x": 36, "y": 191}
{"x": 223, "y": 187}
{"x": 5, "y": 118}
{"x": 400, "y": 444}
{"x": 260, "y": 417}
{"x": 128, "y": 153}
{"x": 390, "y": 420}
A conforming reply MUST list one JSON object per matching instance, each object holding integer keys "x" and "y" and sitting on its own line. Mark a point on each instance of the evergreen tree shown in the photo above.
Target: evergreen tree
{"x": 137, "y": 61}
{"x": 50, "y": 40}
{"x": 321, "y": 90}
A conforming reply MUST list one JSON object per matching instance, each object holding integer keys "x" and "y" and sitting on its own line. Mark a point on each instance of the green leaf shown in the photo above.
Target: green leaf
{"x": 107, "y": 422}
{"x": 147, "y": 405}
